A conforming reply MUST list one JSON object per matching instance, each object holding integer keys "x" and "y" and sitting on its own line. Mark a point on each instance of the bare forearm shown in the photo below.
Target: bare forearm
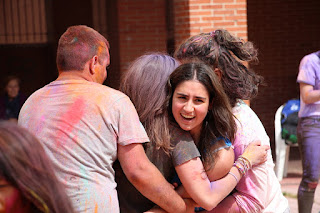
{"x": 312, "y": 96}
{"x": 308, "y": 94}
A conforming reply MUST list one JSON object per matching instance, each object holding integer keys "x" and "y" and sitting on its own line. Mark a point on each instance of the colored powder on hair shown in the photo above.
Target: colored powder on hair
{"x": 75, "y": 39}
{"x": 101, "y": 47}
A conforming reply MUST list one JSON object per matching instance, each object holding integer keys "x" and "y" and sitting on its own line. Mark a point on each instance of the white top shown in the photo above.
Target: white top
{"x": 259, "y": 190}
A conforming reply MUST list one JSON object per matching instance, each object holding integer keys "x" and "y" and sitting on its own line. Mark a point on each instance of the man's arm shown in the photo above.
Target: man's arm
{"x": 148, "y": 179}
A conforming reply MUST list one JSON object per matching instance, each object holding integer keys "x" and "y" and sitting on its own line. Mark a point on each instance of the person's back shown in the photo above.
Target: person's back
{"x": 82, "y": 123}
{"x": 77, "y": 122}
{"x": 147, "y": 76}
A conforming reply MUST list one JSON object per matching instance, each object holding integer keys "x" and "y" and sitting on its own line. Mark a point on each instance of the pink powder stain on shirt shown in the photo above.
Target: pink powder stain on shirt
{"x": 69, "y": 119}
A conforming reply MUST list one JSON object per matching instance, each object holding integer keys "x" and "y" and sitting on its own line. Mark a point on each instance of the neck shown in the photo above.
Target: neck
{"x": 195, "y": 136}
{"x": 73, "y": 75}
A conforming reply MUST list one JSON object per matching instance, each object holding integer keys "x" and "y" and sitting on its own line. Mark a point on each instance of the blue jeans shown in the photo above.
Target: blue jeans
{"x": 308, "y": 133}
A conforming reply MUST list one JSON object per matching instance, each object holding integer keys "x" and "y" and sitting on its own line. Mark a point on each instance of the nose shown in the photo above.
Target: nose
{"x": 188, "y": 107}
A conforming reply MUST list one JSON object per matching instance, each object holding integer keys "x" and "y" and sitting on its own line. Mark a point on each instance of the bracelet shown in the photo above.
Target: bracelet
{"x": 240, "y": 168}
{"x": 243, "y": 165}
{"x": 235, "y": 177}
{"x": 246, "y": 159}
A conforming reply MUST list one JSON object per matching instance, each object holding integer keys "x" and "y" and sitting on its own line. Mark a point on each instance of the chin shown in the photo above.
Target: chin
{"x": 185, "y": 128}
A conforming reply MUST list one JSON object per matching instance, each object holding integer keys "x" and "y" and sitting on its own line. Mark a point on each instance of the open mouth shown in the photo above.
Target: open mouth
{"x": 188, "y": 117}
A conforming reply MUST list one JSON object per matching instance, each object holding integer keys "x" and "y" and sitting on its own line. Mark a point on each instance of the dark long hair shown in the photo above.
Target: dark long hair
{"x": 219, "y": 49}
{"x": 145, "y": 84}
{"x": 25, "y": 165}
{"x": 219, "y": 120}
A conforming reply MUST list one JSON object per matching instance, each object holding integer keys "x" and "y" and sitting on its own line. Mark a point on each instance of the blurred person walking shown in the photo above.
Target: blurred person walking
{"x": 308, "y": 130}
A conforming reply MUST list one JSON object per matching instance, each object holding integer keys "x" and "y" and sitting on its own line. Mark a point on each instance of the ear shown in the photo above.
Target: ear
{"x": 218, "y": 72}
{"x": 92, "y": 64}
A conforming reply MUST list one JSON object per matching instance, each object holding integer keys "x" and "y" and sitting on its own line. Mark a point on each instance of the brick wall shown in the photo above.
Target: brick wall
{"x": 197, "y": 16}
{"x": 283, "y": 31}
{"x": 142, "y": 28}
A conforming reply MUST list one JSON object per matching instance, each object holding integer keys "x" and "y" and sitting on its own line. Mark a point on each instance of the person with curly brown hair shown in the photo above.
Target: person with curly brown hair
{"x": 228, "y": 56}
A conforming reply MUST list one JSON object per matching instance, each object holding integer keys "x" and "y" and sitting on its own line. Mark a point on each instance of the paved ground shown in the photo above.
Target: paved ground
{"x": 290, "y": 186}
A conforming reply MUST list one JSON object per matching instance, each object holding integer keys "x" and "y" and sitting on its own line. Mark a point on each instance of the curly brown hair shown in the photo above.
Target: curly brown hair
{"x": 223, "y": 51}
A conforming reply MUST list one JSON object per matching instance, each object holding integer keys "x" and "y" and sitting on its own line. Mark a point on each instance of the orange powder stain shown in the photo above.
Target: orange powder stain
{"x": 101, "y": 47}
{"x": 96, "y": 208}
{"x": 70, "y": 119}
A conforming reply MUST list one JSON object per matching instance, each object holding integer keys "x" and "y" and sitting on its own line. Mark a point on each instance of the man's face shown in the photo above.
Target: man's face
{"x": 13, "y": 88}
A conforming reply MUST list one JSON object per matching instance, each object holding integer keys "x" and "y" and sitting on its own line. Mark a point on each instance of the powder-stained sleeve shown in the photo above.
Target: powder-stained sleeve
{"x": 308, "y": 70}
{"x": 184, "y": 149}
{"x": 126, "y": 123}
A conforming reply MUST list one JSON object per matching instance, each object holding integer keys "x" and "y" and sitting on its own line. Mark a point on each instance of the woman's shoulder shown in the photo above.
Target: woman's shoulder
{"x": 177, "y": 134}
{"x": 244, "y": 114}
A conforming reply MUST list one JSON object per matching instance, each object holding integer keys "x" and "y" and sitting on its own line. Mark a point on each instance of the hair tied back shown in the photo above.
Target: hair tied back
{"x": 212, "y": 33}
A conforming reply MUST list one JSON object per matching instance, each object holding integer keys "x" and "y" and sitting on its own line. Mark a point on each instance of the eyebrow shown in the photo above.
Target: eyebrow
{"x": 199, "y": 97}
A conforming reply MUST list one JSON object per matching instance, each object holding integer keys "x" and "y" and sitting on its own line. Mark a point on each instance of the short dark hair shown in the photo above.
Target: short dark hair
{"x": 79, "y": 44}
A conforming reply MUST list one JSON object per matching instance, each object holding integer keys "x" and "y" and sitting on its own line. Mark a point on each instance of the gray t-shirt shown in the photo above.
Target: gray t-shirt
{"x": 184, "y": 149}
{"x": 80, "y": 124}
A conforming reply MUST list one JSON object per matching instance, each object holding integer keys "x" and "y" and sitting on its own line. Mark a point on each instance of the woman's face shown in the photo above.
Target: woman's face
{"x": 190, "y": 104}
{"x": 13, "y": 88}
{"x": 10, "y": 198}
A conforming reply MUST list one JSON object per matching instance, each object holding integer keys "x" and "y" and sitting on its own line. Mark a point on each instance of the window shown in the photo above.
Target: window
{"x": 23, "y": 22}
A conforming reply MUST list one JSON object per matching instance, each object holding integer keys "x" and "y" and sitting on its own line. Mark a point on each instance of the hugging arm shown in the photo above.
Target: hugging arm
{"x": 208, "y": 194}
{"x": 148, "y": 179}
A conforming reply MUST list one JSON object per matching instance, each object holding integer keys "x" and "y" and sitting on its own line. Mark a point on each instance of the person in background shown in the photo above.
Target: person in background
{"x": 12, "y": 101}
{"x": 85, "y": 126}
{"x": 172, "y": 147}
{"x": 27, "y": 179}
{"x": 227, "y": 55}
{"x": 308, "y": 129}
